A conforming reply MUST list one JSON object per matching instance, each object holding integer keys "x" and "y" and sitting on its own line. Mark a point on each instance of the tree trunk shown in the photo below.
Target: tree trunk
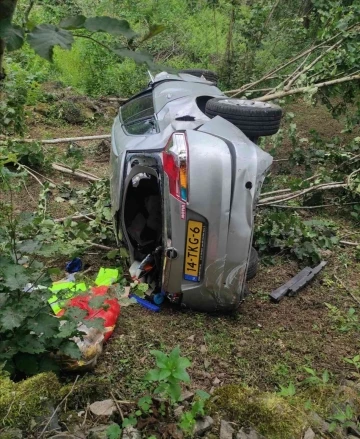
{"x": 306, "y": 13}
{"x": 7, "y": 9}
{"x": 2, "y": 52}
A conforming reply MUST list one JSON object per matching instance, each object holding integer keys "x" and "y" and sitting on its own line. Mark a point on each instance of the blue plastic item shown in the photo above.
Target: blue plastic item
{"x": 74, "y": 266}
{"x": 159, "y": 298}
{"x": 145, "y": 303}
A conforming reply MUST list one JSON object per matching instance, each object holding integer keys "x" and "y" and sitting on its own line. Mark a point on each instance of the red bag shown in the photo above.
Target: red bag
{"x": 110, "y": 314}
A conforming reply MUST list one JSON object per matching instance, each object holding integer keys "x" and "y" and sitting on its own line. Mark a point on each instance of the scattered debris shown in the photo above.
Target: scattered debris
{"x": 187, "y": 396}
{"x": 178, "y": 412}
{"x": 203, "y": 425}
{"x": 296, "y": 283}
{"x": 131, "y": 433}
{"x": 99, "y": 432}
{"x": 103, "y": 408}
{"x": 226, "y": 430}
{"x": 74, "y": 265}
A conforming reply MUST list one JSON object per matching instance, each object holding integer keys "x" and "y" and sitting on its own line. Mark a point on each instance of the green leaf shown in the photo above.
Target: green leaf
{"x": 112, "y": 254}
{"x": 174, "y": 391}
{"x": 202, "y": 394}
{"x": 155, "y": 29}
{"x": 161, "y": 358}
{"x": 113, "y": 431}
{"x": 31, "y": 344}
{"x": 15, "y": 277}
{"x": 110, "y": 25}
{"x": 325, "y": 376}
{"x": 29, "y": 246}
{"x": 73, "y": 22}
{"x": 46, "y": 324}
{"x": 97, "y": 302}
{"x": 70, "y": 349}
{"x": 45, "y": 37}
{"x": 163, "y": 374}
{"x": 12, "y": 34}
{"x": 152, "y": 375}
{"x": 139, "y": 57}
{"x": 181, "y": 375}
{"x": 11, "y": 318}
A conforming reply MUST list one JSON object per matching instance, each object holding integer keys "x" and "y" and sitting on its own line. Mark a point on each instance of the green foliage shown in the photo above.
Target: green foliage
{"x": 113, "y": 431}
{"x": 169, "y": 373}
{"x": 344, "y": 322}
{"x": 315, "y": 380}
{"x": 290, "y": 390}
{"x": 279, "y": 230}
{"x": 29, "y": 333}
{"x": 343, "y": 418}
{"x": 188, "y": 418}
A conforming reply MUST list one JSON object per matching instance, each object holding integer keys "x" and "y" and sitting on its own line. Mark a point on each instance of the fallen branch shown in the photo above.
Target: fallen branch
{"x": 291, "y": 61}
{"x": 322, "y": 186}
{"x": 74, "y": 217}
{"x": 30, "y": 173}
{"x": 117, "y": 406}
{"x": 282, "y": 94}
{"x": 284, "y": 206}
{"x": 60, "y": 140}
{"x": 350, "y": 243}
{"x": 103, "y": 247}
{"x": 117, "y": 99}
{"x": 58, "y": 406}
{"x": 347, "y": 289}
{"x": 79, "y": 173}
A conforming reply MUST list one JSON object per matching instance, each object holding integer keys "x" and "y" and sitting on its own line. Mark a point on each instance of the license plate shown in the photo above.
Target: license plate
{"x": 194, "y": 250}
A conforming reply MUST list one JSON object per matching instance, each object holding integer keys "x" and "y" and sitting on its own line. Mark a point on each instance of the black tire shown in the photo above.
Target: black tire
{"x": 207, "y": 74}
{"x": 254, "y": 118}
{"x": 253, "y": 264}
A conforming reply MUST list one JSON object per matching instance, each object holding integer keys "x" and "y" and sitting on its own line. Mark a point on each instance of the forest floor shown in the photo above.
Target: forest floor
{"x": 264, "y": 344}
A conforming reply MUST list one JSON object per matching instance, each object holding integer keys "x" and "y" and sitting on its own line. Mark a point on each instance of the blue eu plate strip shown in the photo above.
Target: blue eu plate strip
{"x": 191, "y": 278}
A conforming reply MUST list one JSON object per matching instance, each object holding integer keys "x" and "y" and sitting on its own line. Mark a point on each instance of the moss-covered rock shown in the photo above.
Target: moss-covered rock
{"x": 270, "y": 414}
{"x": 21, "y": 402}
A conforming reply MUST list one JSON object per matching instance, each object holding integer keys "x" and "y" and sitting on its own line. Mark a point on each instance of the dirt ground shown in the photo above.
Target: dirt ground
{"x": 263, "y": 344}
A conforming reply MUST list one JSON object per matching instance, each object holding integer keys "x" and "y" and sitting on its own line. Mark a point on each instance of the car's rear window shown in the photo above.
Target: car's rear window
{"x": 138, "y": 108}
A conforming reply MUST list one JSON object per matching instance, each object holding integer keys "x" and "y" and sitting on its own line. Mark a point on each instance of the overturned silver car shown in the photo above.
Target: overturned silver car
{"x": 186, "y": 174}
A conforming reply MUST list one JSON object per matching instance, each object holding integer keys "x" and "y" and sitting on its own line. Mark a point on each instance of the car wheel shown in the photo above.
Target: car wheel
{"x": 253, "y": 264}
{"x": 207, "y": 74}
{"x": 254, "y": 118}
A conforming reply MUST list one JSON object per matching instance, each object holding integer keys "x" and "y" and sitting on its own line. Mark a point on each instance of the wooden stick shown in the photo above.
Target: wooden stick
{"x": 347, "y": 289}
{"x": 117, "y": 406}
{"x": 104, "y": 247}
{"x": 59, "y": 405}
{"x": 81, "y": 174}
{"x": 60, "y": 140}
{"x": 351, "y": 244}
{"x": 30, "y": 173}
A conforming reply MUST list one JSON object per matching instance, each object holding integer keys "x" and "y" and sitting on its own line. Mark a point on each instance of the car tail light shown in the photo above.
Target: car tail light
{"x": 175, "y": 160}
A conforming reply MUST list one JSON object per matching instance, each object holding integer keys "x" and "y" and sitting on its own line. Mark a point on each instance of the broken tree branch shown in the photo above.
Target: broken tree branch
{"x": 282, "y": 94}
{"x": 60, "y": 140}
{"x": 78, "y": 173}
{"x": 286, "y": 64}
{"x": 350, "y": 243}
{"x": 281, "y": 199}
{"x": 284, "y": 206}
{"x": 74, "y": 217}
